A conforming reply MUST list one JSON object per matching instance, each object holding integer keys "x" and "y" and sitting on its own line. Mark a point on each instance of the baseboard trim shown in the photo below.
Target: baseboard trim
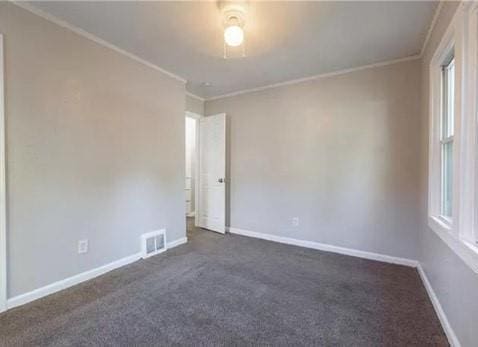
{"x": 326, "y": 247}
{"x": 452, "y": 338}
{"x": 69, "y": 282}
{"x": 177, "y": 242}
{"x": 52, "y": 288}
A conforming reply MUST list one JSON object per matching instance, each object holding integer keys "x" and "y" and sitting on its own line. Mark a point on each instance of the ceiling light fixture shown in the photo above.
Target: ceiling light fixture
{"x": 233, "y": 35}
{"x": 233, "y": 23}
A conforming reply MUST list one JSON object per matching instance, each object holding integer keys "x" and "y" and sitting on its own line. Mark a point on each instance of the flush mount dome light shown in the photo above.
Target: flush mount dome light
{"x": 233, "y": 35}
{"x": 233, "y": 23}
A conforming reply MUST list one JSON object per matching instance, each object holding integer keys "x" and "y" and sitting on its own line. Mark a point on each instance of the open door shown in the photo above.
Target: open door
{"x": 211, "y": 209}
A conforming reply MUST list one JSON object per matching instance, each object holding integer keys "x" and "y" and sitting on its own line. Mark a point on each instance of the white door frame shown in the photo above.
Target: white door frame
{"x": 3, "y": 201}
{"x": 197, "y": 117}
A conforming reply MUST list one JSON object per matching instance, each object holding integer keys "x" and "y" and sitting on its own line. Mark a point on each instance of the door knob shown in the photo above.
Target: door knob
{"x": 221, "y": 180}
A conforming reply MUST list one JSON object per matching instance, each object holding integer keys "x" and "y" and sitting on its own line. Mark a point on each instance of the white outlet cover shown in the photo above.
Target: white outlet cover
{"x": 82, "y": 246}
{"x": 295, "y": 221}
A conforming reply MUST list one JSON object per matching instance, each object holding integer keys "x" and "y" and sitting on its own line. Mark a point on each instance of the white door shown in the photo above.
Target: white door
{"x": 211, "y": 173}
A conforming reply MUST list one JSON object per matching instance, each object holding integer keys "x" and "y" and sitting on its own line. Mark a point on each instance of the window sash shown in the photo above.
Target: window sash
{"x": 447, "y": 99}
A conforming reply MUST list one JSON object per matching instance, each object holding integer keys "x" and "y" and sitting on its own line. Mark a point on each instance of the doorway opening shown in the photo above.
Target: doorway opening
{"x": 191, "y": 141}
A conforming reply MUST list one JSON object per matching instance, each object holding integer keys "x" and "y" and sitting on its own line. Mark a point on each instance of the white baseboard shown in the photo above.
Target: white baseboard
{"x": 326, "y": 247}
{"x": 70, "y": 281}
{"x": 452, "y": 338}
{"x": 82, "y": 277}
{"x": 177, "y": 242}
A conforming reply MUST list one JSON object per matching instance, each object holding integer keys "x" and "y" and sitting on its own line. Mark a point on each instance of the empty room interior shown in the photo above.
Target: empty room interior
{"x": 246, "y": 173}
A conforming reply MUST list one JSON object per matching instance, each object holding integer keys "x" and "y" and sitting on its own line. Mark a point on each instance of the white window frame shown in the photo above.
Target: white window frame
{"x": 460, "y": 233}
{"x": 3, "y": 201}
{"x": 445, "y": 139}
{"x": 442, "y": 54}
{"x": 469, "y": 231}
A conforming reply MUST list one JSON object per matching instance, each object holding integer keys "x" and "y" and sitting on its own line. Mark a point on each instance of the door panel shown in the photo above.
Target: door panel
{"x": 212, "y": 170}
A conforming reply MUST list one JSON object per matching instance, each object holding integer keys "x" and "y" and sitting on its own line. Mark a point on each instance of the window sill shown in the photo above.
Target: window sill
{"x": 467, "y": 251}
{"x": 439, "y": 224}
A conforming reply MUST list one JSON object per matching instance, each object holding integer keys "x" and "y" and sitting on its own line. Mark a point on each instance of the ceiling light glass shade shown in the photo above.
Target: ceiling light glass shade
{"x": 233, "y": 35}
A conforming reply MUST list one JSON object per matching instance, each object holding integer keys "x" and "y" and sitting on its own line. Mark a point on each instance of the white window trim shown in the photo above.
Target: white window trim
{"x": 457, "y": 233}
{"x": 436, "y": 220}
{"x": 3, "y": 204}
{"x": 470, "y": 128}
{"x": 445, "y": 107}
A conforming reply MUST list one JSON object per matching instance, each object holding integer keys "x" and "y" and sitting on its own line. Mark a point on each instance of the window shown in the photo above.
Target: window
{"x": 453, "y": 146}
{"x": 446, "y": 141}
{"x": 442, "y": 136}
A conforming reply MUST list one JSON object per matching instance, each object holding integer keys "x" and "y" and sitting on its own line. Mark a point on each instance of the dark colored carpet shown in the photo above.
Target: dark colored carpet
{"x": 233, "y": 290}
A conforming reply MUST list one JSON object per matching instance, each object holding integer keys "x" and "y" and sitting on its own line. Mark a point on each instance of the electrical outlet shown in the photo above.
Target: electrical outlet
{"x": 295, "y": 221}
{"x": 82, "y": 246}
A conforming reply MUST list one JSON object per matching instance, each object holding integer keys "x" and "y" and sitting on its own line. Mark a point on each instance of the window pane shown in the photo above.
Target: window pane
{"x": 450, "y": 98}
{"x": 447, "y": 178}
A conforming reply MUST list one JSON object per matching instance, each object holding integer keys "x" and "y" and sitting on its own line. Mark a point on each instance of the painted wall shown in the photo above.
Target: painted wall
{"x": 95, "y": 147}
{"x": 194, "y": 105}
{"x": 341, "y": 153}
{"x": 454, "y": 283}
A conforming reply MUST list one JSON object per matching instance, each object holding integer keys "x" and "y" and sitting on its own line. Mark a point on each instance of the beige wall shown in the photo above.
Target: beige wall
{"x": 341, "y": 153}
{"x": 95, "y": 148}
{"x": 194, "y": 105}
{"x": 454, "y": 283}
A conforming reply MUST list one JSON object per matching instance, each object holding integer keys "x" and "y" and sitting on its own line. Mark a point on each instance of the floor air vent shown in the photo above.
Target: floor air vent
{"x": 153, "y": 243}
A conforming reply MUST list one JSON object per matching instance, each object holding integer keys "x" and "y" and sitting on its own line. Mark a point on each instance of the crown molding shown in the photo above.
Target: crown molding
{"x": 432, "y": 26}
{"x": 194, "y": 96}
{"x": 315, "y": 77}
{"x": 62, "y": 23}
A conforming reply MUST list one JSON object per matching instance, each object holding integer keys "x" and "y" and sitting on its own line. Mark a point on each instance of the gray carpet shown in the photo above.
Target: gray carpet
{"x": 234, "y": 290}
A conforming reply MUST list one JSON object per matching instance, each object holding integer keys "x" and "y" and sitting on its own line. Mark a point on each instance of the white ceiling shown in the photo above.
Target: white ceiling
{"x": 284, "y": 40}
